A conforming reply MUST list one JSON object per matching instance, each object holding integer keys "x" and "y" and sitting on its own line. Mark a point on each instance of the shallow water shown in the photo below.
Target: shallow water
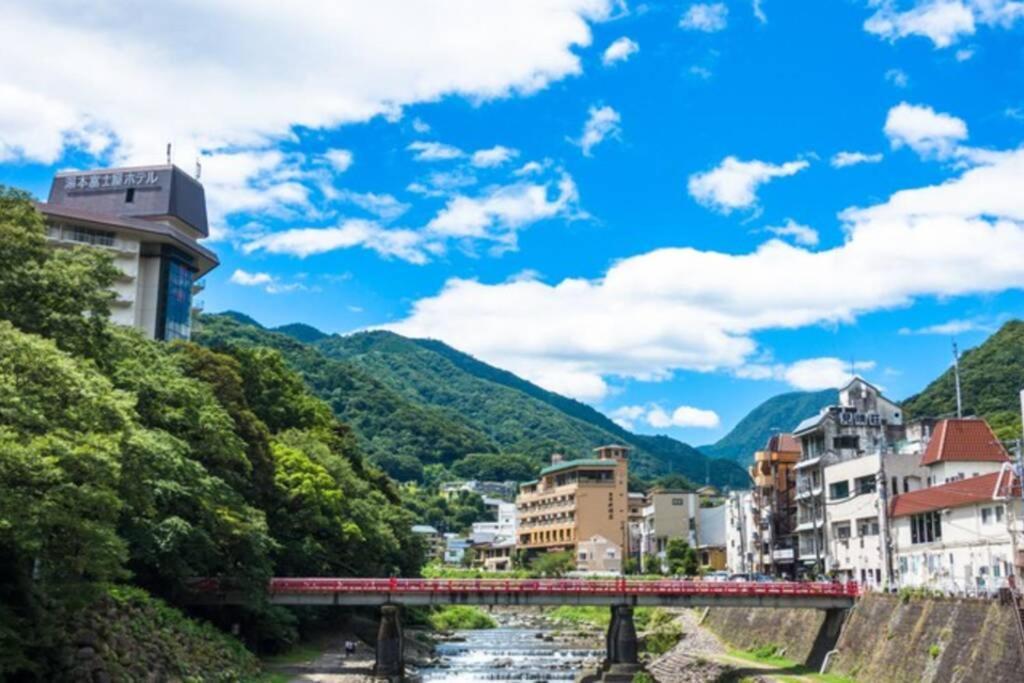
{"x": 509, "y": 654}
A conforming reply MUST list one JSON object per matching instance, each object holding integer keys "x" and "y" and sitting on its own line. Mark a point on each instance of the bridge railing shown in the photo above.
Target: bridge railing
{"x": 561, "y": 586}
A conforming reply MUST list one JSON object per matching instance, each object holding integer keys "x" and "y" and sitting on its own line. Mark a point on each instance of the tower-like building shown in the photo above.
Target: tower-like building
{"x": 150, "y": 218}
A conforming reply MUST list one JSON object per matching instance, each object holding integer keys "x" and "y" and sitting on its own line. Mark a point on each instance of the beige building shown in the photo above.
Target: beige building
{"x": 598, "y": 555}
{"x": 667, "y": 514}
{"x": 573, "y": 501}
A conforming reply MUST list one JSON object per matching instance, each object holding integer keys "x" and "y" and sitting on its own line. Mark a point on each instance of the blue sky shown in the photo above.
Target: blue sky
{"x": 768, "y": 195}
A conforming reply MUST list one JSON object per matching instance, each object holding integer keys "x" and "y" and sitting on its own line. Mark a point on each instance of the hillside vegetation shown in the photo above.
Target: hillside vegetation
{"x": 129, "y": 461}
{"x": 991, "y": 377}
{"x": 779, "y": 413}
{"x": 444, "y": 388}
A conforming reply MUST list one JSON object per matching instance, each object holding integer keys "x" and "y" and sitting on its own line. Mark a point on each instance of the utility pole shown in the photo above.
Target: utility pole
{"x": 883, "y": 514}
{"x": 956, "y": 375}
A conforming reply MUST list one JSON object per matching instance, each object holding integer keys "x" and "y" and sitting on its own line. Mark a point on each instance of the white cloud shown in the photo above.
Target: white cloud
{"x": 928, "y": 133}
{"x": 302, "y": 242}
{"x": 964, "y": 54}
{"x": 707, "y": 17}
{"x": 269, "y": 283}
{"x": 683, "y": 416}
{"x": 897, "y": 77}
{"x": 407, "y": 54}
{"x": 384, "y": 206}
{"x": 602, "y": 122}
{"x": 498, "y": 214}
{"x": 671, "y": 309}
{"x": 813, "y": 374}
{"x": 700, "y": 72}
{"x": 801, "y": 234}
{"x": 941, "y": 21}
{"x": 844, "y": 159}
{"x": 420, "y": 126}
{"x": 659, "y": 418}
{"x": 494, "y": 156}
{"x": 759, "y": 12}
{"x": 434, "y": 151}
{"x": 339, "y": 159}
{"x": 944, "y": 22}
{"x": 247, "y": 279}
{"x": 530, "y": 168}
{"x": 949, "y": 328}
{"x": 619, "y": 51}
{"x": 733, "y": 183}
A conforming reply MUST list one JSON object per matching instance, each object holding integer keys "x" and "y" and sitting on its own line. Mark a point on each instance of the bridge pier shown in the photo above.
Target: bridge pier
{"x": 622, "y": 657}
{"x": 390, "y": 650}
{"x": 828, "y": 636}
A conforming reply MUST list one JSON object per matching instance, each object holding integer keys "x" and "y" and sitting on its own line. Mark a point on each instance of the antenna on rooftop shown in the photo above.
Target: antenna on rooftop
{"x": 199, "y": 169}
{"x": 956, "y": 376}
{"x": 168, "y": 154}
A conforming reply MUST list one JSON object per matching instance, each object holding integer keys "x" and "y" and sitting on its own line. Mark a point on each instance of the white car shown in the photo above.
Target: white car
{"x": 717, "y": 576}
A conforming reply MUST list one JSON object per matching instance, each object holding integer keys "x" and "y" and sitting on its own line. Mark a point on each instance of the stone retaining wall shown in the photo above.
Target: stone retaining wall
{"x": 745, "y": 628}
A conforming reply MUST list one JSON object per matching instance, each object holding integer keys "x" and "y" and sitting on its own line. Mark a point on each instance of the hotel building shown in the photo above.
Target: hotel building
{"x": 150, "y": 219}
{"x": 574, "y": 500}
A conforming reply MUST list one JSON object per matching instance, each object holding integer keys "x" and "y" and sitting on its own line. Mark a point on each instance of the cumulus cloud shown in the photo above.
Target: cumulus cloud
{"x": 619, "y": 51}
{"x": 602, "y": 122}
{"x": 382, "y": 205}
{"x": 659, "y": 418}
{"x": 434, "y": 151}
{"x": 339, "y": 159}
{"x": 944, "y": 22}
{"x": 494, "y": 156}
{"x": 897, "y": 77}
{"x": 813, "y": 374}
{"x": 925, "y": 131}
{"x": 801, "y": 234}
{"x": 674, "y": 309}
{"x": 759, "y": 12}
{"x": 420, "y": 126}
{"x": 707, "y": 17}
{"x": 408, "y": 54}
{"x": 407, "y": 245}
{"x": 269, "y": 283}
{"x": 733, "y": 184}
{"x": 844, "y": 159}
{"x": 950, "y": 327}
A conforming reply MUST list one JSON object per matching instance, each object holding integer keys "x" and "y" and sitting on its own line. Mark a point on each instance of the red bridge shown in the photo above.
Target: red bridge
{"x": 621, "y": 595}
{"x": 665, "y": 592}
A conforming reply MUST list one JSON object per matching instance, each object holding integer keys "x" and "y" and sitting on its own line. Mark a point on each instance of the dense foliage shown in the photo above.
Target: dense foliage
{"x": 508, "y": 413}
{"x": 128, "y": 460}
{"x": 991, "y": 377}
{"x": 779, "y": 413}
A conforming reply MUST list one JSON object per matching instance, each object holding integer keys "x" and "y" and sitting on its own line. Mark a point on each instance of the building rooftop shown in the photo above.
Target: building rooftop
{"x": 980, "y": 489}
{"x": 783, "y": 443}
{"x": 964, "y": 440}
{"x": 810, "y": 422}
{"x": 572, "y": 464}
{"x": 423, "y": 529}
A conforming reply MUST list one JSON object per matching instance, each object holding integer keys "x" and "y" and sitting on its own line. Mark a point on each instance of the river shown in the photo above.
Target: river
{"x": 511, "y": 652}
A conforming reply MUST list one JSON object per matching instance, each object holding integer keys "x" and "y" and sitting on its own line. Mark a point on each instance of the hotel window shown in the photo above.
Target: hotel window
{"x": 841, "y": 530}
{"x": 867, "y": 526}
{"x": 926, "y": 527}
{"x": 177, "y": 302}
{"x": 865, "y": 484}
{"x": 99, "y": 238}
{"x": 839, "y": 489}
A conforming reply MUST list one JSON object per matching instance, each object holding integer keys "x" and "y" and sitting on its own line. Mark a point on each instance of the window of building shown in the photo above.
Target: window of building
{"x": 865, "y": 484}
{"x": 926, "y": 527}
{"x": 895, "y": 486}
{"x": 839, "y": 489}
{"x": 986, "y": 515}
{"x": 999, "y": 513}
{"x": 178, "y": 302}
{"x": 99, "y": 238}
{"x": 847, "y": 441}
{"x": 841, "y": 530}
{"x": 867, "y": 526}
{"x": 129, "y": 195}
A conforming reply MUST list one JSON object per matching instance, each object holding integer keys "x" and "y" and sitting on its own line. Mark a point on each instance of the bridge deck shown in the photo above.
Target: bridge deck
{"x": 667, "y": 592}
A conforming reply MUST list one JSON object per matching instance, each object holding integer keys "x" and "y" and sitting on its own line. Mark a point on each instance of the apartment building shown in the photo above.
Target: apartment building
{"x": 774, "y": 503}
{"x": 862, "y": 422}
{"x": 573, "y": 501}
{"x": 635, "y": 502}
{"x": 667, "y": 514}
{"x": 963, "y": 532}
{"x": 150, "y": 219}
{"x": 742, "y": 537}
{"x": 711, "y": 537}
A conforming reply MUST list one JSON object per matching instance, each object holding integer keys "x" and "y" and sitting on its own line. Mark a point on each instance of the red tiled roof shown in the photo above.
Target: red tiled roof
{"x": 956, "y": 494}
{"x": 783, "y": 443}
{"x": 964, "y": 440}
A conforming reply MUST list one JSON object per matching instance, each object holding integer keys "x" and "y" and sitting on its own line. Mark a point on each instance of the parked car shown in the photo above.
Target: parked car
{"x": 717, "y": 576}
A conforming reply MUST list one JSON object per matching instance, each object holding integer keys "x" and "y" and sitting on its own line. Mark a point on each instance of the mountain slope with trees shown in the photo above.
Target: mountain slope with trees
{"x": 991, "y": 377}
{"x": 779, "y": 413}
{"x": 513, "y": 415}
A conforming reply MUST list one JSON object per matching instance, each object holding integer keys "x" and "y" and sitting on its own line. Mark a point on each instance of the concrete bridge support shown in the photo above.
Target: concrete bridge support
{"x": 390, "y": 656}
{"x": 621, "y": 643}
{"x": 827, "y": 636}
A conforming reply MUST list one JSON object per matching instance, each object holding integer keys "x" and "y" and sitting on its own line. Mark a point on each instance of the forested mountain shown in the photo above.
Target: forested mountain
{"x": 130, "y": 461}
{"x": 510, "y": 414}
{"x": 779, "y": 413}
{"x": 991, "y": 377}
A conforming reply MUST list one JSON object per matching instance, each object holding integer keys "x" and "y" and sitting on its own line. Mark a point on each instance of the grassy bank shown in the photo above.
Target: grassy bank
{"x": 783, "y": 669}
{"x": 460, "y": 618}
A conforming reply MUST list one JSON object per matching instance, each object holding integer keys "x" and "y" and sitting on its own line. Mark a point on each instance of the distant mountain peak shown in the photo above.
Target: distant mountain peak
{"x": 303, "y": 332}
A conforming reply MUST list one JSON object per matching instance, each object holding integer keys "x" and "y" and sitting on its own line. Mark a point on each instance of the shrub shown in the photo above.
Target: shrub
{"x": 461, "y": 617}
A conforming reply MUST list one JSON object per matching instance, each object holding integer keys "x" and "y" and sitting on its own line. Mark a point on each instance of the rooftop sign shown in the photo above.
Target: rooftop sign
{"x": 111, "y": 180}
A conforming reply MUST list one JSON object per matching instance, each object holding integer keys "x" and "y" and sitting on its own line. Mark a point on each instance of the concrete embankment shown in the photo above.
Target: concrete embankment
{"x": 886, "y": 639}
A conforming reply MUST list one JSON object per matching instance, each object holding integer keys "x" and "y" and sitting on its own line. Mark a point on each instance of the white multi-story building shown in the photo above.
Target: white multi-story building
{"x": 667, "y": 515}
{"x": 963, "y": 534}
{"x": 502, "y": 529}
{"x": 742, "y": 536}
{"x": 863, "y": 422}
{"x": 150, "y": 219}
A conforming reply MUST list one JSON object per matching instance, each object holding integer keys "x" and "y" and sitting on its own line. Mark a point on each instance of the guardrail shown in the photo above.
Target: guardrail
{"x": 315, "y": 585}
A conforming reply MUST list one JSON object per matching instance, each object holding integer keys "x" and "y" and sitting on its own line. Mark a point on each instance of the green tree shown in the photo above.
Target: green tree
{"x": 552, "y": 564}
{"x": 496, "y": 467}
{"x": 681, "y": 558}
